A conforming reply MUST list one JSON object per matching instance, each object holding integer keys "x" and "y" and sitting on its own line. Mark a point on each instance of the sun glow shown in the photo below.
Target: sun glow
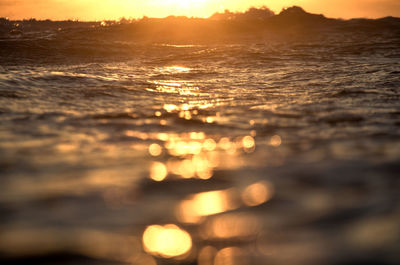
{"x": 195, "y": 8}
{"x": 184, "y": 4}
{"x": 166, "y": 241}
{"x": 115, "y": 9}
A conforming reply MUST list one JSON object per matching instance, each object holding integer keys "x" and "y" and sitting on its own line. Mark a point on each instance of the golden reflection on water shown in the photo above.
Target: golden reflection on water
{"x": 226, "y": 144}
{"x": 248, "y": 144}
{"x": 231, "y": 256}
{"x": 181, "y": 147}
{"x": 183, "y": 88}
{"x": 136, "y": 134}
{"x": 209, "y": 145}
{"x": 158, "y": 171}
{"x": 197, "y": 155}
{"x": 194, "y": 154}
{"x": 155, "y": 150}
{"x": 209, "y": 119}
{"x": 175, "y": 69}
{"x": 231, "y": 226}
{"x": 193, "y": 209}
{"x": 180, "y": 87}
{"x": 170, "y": 107}
{"x": 166, "y": 241}
{"x": 257, "y": 193}
{"x": 206, "y": 255}
{"x": 198, "y": 166}
{"x": 276, "y": 141}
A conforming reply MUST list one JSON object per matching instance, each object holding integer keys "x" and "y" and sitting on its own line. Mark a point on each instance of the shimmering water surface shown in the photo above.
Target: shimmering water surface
{"x": 252, "y": 152}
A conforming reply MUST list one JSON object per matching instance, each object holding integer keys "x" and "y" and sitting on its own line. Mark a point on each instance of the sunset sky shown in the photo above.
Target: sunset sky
{"x": 114, "y": 9}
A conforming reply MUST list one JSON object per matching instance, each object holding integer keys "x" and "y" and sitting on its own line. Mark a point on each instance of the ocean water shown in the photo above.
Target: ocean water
{"x": 275, "y": 150}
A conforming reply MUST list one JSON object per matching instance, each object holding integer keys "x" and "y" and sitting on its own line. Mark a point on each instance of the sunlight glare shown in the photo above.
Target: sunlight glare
{"x": 230, "y": 226}
{"x": 186, "y": 5}
{"x": 166, "y": 241}
{"x": 158, "y": 171}
{"x": 203, "y": 204}
{"x": 257, "y": 193}
{"x": 155, "y": 150}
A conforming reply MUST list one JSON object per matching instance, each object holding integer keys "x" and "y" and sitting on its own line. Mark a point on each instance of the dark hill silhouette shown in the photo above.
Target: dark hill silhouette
{"x": 297, "y": 15}
{"x": 253, "y": 14}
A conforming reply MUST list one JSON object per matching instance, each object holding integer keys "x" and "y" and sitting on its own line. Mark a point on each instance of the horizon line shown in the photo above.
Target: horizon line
{"x": 133, "y": 19}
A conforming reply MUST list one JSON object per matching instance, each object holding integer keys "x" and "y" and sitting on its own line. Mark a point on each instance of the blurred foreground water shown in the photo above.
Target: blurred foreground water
{"x": 278, "y": 151}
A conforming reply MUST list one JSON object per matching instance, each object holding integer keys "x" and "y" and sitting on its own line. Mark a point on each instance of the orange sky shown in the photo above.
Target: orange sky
{"x": 114, "y": 9}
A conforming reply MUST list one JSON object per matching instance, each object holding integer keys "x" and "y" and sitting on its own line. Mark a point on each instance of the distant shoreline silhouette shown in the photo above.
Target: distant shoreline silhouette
{"x": 255, "y": 22}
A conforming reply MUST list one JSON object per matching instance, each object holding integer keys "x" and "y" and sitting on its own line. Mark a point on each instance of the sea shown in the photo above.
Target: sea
{"x": 281, "y": 149}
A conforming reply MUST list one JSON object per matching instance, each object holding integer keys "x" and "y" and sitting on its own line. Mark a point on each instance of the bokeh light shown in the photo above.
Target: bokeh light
{"x": 231, "y": 256}
{"x": 166, "y": 241}
{"x": 276, "y": 140}
{"x": 158, "y": 171}
{"x": 257, "y": 193}
{"x": 231, "y": 226}
{"x": 155, "y": 150}
{"x": 203, "y": 204}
